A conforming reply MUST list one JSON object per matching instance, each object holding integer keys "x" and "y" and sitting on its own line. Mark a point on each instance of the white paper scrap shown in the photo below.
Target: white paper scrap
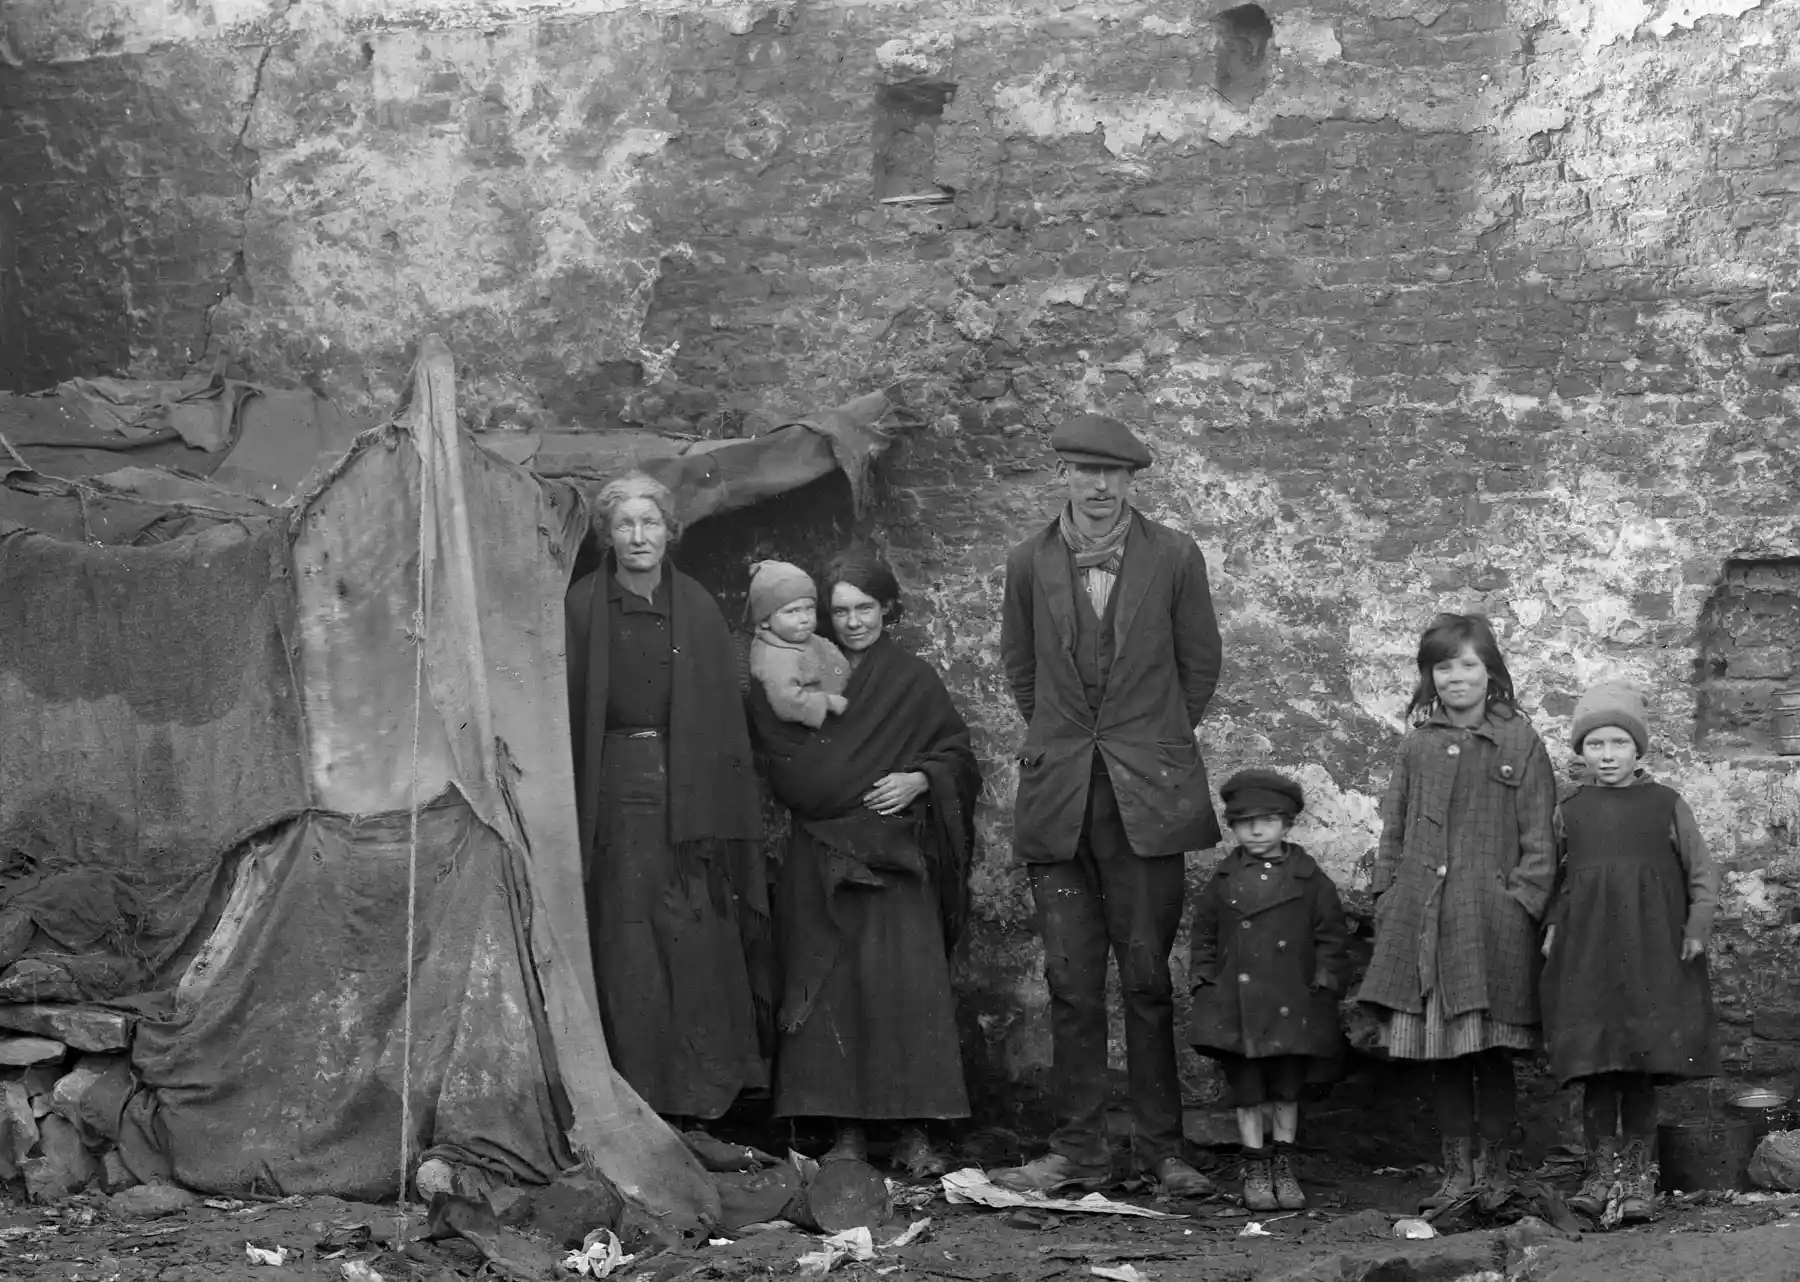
{"x": 972, "y": 1185}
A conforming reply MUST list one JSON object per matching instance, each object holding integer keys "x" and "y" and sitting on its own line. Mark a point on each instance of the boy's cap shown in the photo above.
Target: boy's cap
{"x": 1612, "y": 703}
{"x": 774, "y": 584}
{"x": 1250, "y": 793}
{"x": 1097, "y": 439}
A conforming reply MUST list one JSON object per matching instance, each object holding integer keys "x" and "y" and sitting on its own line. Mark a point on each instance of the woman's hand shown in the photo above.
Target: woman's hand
{"x": 894, "y": 793}
{"x": 1692, "y": 948}
{"x": 1549, "y": 938}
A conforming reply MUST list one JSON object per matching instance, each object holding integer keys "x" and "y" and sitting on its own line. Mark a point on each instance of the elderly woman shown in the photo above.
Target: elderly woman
{"x": 671, "y": 821}
{"x": 873, "y": 890}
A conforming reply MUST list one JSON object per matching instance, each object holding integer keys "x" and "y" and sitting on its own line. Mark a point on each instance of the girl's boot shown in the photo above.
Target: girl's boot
{"x": 1493, "y": 1171}
{"x": 1639, "y": 1176}
{"x": 1602, "y": 1174}
{"x": 1459, "y": 1175}
{"x": 1259, "y": 1181}
{"x": 1288, "y": 1194}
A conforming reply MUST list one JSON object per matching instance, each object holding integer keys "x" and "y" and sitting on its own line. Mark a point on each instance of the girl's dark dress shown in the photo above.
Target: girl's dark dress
{"x": 1617, "y": 997}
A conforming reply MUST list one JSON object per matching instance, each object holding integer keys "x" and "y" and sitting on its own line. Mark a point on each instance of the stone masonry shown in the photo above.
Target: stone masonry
{"x": 1423, "y": 305}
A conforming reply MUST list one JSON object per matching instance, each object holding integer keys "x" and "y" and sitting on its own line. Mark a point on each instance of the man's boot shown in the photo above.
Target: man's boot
{"x": 1459, "y": 1175}
{"x": 1259, "y": 1181}
{"x": 1638, "y": 1175}
{"x": 1602, "y": 1174}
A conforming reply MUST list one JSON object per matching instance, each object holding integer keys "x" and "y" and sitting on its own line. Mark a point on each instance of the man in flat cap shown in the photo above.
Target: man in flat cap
{"x": 1112, "y": 652}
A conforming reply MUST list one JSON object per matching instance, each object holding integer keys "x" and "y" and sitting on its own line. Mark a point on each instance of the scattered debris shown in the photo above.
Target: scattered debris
{"x": 600, "y": 1256}
{"x": 1118, "y": 1273}
{"x": 1254, "y": 1229}
{"x": 767, "y": 1226}
{"x": 359, "y": 1271}
{"x": 506, "y": 1250}
{"x": 856, "y": 1244}
{"x": 913, "y": 1233}
{"x": 911, "y": 1197}
{"x": 276, "y": 1256}
{"x": 974, "y": 1186}
{"x": 1414, "y": 1229}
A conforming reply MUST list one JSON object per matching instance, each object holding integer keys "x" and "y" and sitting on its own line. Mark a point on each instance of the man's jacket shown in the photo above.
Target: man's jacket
{"x": 1164, "y": 665}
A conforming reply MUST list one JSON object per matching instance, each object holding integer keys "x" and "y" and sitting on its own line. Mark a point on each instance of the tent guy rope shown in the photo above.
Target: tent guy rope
{"x": 420, "y": 613}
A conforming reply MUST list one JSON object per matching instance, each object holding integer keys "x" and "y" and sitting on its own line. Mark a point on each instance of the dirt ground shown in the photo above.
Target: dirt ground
{"x": 1347, "y": 1237}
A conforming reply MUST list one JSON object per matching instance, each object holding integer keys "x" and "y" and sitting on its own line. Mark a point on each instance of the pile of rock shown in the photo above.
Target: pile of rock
{"x": 53, "y": 1058}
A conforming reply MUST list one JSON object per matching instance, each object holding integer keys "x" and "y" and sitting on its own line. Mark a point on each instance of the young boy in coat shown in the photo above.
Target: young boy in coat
{"x": 1268, "y": 964}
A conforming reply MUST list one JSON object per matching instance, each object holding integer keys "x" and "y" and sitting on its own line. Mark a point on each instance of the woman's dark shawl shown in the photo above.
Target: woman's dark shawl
{"x": 715, "y": 810}
{"x": 900, "y": 718}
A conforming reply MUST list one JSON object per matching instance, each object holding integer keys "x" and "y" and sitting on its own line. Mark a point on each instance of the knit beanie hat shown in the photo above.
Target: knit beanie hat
{"x": 1250, "y": 793}
{"x": 774, "y": 584}
{"x": 1612, "y": 703}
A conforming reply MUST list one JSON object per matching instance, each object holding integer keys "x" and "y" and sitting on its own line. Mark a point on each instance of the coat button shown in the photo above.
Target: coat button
{"x": 1246, "y": 925}
{"x": 1284, "y": 1010}
{"x": 1281, "y": 943}
{"x": 1243, "y": 979}
{"x": 1443, "y": 870}
{"x": 1506, "y": 772}
{"x": 1453, "y": 750}
{"x": 1265, "y": 876}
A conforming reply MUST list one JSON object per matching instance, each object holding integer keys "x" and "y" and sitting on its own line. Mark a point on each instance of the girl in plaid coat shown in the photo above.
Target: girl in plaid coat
{"x": 1465, "y": 865}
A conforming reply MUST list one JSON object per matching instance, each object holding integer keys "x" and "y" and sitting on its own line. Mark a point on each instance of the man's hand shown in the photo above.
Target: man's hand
{"x": 894, "y": 793}
{"x": 1549, "y": 938}
{"x": 1692, "y": 948}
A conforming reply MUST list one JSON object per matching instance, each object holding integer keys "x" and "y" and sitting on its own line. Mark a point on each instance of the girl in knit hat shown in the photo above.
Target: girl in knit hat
{"x": 1268, "y": 964}
{"x": 1626, "y": 996}
{"x": 803, "y": 674}
{"x": 1465, "y": 865}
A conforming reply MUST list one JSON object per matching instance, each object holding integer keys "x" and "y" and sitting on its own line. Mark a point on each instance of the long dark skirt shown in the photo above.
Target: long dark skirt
{"x": 880, "y": 1040}
{"x": 674, "y": 988}
{"x": 1617, "y": 996}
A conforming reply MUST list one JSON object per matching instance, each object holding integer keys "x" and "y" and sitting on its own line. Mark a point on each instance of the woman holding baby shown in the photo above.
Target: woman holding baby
{"x": 873, "y": 890}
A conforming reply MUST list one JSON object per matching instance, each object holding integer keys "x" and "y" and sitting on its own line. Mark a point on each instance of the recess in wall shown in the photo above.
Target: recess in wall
{"x": 1745, "y": 653}
{"x": 905, "y": 141}
{"x": 1243, "y": 36}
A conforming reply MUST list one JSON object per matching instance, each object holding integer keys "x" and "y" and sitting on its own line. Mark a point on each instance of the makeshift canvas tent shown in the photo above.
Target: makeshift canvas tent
{"x": 288, "y": 788}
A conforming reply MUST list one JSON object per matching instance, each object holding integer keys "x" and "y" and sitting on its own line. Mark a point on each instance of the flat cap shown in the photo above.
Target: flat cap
{"x": 1250, "y": 793}
{"x": 1097, "y": 439}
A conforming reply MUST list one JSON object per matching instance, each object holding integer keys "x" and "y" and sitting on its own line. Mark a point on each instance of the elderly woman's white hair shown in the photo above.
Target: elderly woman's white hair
{"x": 635, "y": 485}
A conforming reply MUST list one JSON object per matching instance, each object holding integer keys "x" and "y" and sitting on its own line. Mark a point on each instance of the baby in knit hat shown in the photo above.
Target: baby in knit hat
{"x": 803, "y": 674}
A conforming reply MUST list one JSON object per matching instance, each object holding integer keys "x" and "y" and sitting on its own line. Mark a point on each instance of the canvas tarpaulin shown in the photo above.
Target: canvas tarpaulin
{"x": 148, "y": 724}
{"x": 417, "y": 572}
{"x": 284, "y": 1075}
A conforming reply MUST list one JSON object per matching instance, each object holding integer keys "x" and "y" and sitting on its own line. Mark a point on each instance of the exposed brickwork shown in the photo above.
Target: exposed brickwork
{"x": 1478, "y": 305}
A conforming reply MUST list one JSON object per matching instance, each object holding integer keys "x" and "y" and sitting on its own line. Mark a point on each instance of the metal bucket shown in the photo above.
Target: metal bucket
{"x": 1709, "y": 1154}
{"x": 1765, "y": 1110}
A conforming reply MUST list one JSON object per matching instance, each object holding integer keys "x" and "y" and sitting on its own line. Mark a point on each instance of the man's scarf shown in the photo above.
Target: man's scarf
{"x": 1098, "y": 560}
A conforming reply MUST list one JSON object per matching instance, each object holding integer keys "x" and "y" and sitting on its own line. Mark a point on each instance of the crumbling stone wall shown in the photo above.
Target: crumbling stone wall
{"x": 1423, "y": 305}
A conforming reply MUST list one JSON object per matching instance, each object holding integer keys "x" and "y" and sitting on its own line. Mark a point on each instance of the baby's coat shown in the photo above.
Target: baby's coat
{"x": 798, "y": 677}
